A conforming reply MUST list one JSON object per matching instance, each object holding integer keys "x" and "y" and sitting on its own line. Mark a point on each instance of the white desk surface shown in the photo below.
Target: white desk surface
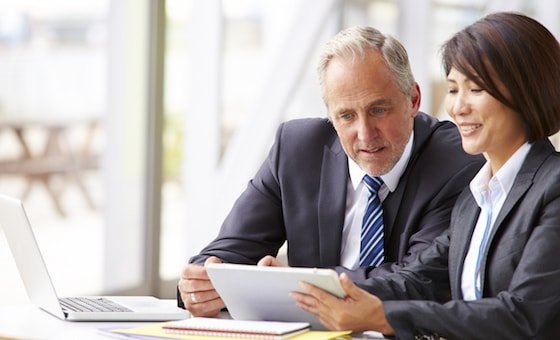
{"x": 25, "y": 321}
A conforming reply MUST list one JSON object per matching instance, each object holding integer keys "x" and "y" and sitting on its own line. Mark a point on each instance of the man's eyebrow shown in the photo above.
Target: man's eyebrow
{"x": 381, "y": 101}
{"x": 340, "y": 111}
{"x": 377, "y": 102}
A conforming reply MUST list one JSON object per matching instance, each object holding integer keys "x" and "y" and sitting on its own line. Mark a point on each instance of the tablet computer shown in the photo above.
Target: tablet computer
{"x": 261, "y": 293}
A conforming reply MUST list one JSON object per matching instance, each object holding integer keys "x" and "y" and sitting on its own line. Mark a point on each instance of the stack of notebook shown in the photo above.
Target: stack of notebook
{"x": 214, "y": 328}
{"x": 236, "y": 328}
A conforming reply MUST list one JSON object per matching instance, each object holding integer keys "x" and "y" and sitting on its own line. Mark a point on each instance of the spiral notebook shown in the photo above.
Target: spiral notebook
{"x": 236, "y": 328}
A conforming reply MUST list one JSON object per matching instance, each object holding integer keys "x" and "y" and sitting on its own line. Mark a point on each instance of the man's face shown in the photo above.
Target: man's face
{"x": 371, "y": 115}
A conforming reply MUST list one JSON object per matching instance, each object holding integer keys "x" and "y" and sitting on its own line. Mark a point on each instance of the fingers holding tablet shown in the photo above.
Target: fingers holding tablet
{"x": 197, "y": 292}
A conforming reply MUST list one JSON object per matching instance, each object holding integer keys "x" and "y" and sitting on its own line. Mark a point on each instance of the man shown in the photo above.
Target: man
{"x": 309, "y": 191}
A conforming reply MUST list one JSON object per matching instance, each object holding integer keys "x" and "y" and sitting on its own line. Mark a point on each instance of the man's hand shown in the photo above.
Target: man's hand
{"x": 197, "y": 292}
{"x": 270, "y": 261}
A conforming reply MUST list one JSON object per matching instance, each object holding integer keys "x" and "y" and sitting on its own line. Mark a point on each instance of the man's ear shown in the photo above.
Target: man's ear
{"x": 415, "y": 97}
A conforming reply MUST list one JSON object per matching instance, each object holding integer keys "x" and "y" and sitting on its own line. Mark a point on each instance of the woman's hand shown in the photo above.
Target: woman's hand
{"x": 358, "y": 311}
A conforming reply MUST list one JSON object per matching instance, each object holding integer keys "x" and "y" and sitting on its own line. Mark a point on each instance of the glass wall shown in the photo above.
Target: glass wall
{"x": 251, "y": 87}
{"x": 52, "y": 103}
{"x": 72, "y": 134}
{"x": 75, "y": 102}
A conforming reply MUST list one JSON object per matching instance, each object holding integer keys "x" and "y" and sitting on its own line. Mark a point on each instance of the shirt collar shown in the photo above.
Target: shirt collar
{"x": 502, "y": 180}
{"x": 391, "y": 179}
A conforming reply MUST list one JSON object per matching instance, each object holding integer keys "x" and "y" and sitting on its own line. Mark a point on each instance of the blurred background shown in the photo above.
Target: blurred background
{"x": 128, "y": 127}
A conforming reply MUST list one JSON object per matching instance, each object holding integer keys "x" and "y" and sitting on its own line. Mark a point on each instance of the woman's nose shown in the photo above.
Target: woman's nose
{"x": 459, "y": 105}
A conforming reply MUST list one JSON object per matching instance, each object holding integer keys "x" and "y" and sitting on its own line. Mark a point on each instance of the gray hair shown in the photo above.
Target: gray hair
{"x": 355, "y": 42}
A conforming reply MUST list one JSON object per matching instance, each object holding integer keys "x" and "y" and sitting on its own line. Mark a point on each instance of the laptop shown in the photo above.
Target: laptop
{"x": 41, "y": 292}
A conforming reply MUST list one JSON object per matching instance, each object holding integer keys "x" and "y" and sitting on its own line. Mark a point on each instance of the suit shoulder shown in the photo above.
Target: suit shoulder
{"x": 307, "y": 124}
{"x": 310, "y": 129}
{"x": 550, "y": 167}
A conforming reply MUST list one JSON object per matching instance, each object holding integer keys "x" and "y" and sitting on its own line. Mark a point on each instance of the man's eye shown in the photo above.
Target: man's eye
{"x": 378, "y": 111}
{"x": 451, "y": 91}
{"x": 345, "y": 116}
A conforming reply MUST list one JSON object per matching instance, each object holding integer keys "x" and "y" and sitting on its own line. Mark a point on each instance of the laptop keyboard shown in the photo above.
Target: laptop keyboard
{"x": 83, "y": 304}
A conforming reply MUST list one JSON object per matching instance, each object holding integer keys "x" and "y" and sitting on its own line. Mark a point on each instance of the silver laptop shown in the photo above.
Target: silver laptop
{"x": 41, "y": 292}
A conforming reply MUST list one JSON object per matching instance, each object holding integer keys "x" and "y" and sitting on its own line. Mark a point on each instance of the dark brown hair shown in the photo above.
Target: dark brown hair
{"x": 518, "y": 52}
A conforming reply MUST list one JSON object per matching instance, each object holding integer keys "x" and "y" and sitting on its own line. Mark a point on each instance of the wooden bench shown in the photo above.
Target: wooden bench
{"x": 58, "y": 157}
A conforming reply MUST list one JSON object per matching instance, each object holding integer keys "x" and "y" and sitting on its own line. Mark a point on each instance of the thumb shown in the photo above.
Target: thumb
{"x": 212, "y": 259}
{"x": 269, "y": 261}
{"x": 349, "y": 287}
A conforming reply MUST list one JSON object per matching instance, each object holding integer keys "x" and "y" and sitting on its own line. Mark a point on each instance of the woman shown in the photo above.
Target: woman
{"x": 495, "y": 274}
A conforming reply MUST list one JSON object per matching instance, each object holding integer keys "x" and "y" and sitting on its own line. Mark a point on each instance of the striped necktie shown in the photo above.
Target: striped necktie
{"x": 371, "y": 245}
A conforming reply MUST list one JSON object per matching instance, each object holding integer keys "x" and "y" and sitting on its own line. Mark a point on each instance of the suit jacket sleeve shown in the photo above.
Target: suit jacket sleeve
{"x": 288, "y": 199}
{"x": 254, "y": 227}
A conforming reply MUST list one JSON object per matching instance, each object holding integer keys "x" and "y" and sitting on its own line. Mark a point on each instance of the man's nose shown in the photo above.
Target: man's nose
{"x": 367, "y": 129}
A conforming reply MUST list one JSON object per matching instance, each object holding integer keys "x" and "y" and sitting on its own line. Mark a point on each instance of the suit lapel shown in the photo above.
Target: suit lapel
{"x": 391, "y": 206}
{"x": 523, "y": 181}
{"x": 332, "y": 204}
{"x": 392, "y": 203}
{"x": 463, "y": 227}
{"x": 521, "y": 185}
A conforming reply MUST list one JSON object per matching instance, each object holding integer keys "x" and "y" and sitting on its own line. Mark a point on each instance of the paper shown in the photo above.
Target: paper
{"x": 156, "y": 330}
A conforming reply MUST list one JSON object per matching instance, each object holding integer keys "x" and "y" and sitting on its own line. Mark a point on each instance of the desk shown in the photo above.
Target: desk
{"x": 25, "y": 321}
{"x": 58, "y": 155}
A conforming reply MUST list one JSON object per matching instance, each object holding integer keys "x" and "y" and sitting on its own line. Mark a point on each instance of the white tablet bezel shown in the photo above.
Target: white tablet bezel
{"x": 262, "y": 293}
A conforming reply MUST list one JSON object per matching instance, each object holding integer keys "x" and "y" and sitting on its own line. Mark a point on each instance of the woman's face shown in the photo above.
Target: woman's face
{"x": 486, "y": 125}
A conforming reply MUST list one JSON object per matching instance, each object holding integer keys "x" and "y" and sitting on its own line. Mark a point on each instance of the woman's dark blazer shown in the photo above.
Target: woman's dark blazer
{"x": 521, "y": 278}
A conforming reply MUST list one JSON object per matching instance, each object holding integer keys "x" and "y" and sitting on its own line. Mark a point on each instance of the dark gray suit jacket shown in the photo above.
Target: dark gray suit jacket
{"x": 299, "y": 195}
{"x": 521, "y": 279}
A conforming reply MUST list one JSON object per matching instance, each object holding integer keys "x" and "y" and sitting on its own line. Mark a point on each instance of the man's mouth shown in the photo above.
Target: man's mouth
{"x": 372, "y": 150}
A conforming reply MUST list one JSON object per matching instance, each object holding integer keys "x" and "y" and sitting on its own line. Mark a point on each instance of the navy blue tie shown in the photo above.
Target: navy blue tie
{"x": 371, "y": 245}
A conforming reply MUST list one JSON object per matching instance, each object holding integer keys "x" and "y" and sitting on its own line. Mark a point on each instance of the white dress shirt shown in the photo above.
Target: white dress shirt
{"x": 356, "y": 202}
{"x": 490, "y": 194}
